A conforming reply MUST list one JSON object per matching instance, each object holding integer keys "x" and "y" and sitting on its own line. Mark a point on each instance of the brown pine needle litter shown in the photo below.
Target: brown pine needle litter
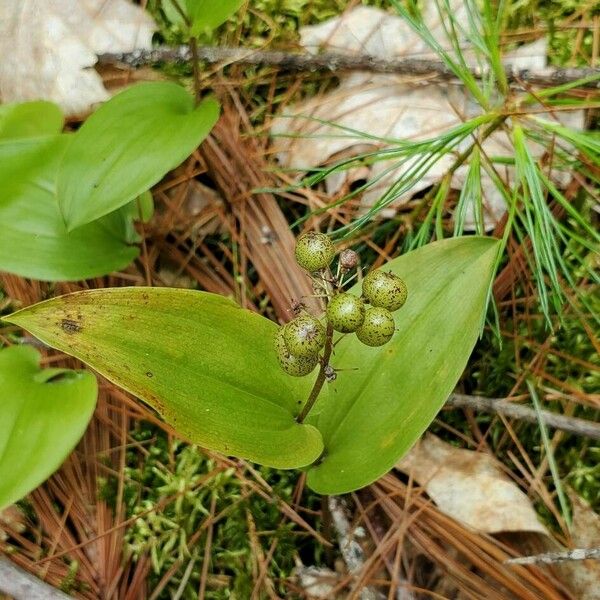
{"x": 74, "y": 535}
{"x": 213, "y": 230}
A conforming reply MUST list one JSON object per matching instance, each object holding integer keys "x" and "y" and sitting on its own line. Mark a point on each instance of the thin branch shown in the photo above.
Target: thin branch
{"x": 516, "y": 411}
{"x": 21, "y": 585}
{"x": 351, "y": 550}
{"x": 334, "y": 61}
{"x": 556, "y": 557}
{"x": 193, "y": 49}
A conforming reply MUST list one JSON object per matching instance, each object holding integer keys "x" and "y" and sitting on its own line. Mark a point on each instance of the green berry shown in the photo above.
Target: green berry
{"x": 304, "y": 336}
{"x": 346, "y": 312}
{"x": 293, "y": 365}
{"x": 384, "y": 290}
{"x": 314, "y": 251}
{"x": 377, "y": 328}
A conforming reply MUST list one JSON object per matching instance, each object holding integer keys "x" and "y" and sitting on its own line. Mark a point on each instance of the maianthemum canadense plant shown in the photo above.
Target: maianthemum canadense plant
{"x": 211, "y": 369}
{"x": 223, "y": 377}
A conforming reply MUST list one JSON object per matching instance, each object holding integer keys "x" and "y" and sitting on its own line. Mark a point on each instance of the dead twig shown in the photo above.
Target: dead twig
{"x": 556, "y": 557}
{"x": 21, "y": 585}
{"x": 335, "y": 61}
{"x": 473, "y": 563}
{"x": 351, "y": 550}
{"x": 516, "y": 411}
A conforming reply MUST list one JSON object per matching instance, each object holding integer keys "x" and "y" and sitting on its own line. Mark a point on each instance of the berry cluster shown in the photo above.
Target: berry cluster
{"x": 300, "y": 342}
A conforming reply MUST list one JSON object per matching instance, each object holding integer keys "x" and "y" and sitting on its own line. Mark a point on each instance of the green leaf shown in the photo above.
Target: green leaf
{"x": 381, "y": 405}
{"x": 142, "y": 207}
{"x": 204, "y": 364}
{"x": 127, "y": 146}
{"x": 203, "y": 15}
{"x": 34, "y": 241}
{"x": 29, "y": 119}
{"x": 44, "y": 415}
{"x": 207, "y": 15}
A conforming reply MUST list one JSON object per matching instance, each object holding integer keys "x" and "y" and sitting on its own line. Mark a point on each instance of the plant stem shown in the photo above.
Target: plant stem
{"x": 318, "y": 386}
{"x": 196, "y": 68}
{"x": 333, "y": 287}
{"x": 193, "y": 43}
{"x": 460, "y": 160}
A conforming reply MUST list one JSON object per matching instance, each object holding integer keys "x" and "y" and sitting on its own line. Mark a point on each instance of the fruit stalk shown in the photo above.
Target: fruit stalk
{"x": 299, "y": 342}
{"x": 321, "y": 377}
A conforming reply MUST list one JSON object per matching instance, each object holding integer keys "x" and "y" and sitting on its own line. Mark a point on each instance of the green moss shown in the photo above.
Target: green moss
{"x": 553, "y": 15}
{"x": 275, "y": 21}
{"x": 69, "y": 583}
{"x": 171, "y": 487}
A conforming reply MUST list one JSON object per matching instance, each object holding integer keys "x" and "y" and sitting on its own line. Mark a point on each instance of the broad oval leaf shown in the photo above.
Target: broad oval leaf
{"x": 34, "y": 241}
{"x": 387, "y": 397}
{"x": 44, "y": 415}
{"x": 29, "y": 119}
{"x": 127, "y": 146}
{"x": 207, "y": 366}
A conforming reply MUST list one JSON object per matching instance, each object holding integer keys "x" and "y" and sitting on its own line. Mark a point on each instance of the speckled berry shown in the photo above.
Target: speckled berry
{"x": 314, "y": 251}
{"x": 293, "y": 365}
{"x": 346, "y": 312}
{"x": 304, "y": 336}
{"x": 377, "y": 328}
{"x": 384, "y": 290}
{"x": 348, "y": 259}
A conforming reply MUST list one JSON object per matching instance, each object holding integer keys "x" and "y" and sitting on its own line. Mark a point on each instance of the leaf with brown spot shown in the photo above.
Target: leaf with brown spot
{"x": 205, "y": 364}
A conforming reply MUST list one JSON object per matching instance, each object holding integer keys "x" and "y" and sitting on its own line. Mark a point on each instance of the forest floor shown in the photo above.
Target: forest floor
{"x": 137, "y": 513}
